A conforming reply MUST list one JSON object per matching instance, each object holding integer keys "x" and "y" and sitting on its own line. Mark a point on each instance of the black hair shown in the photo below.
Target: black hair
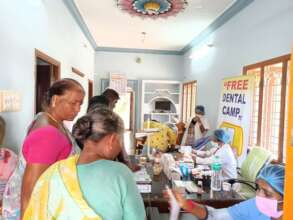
{"x": 154, "y": 120}
{"x": 200, "y": 108}
{"x": 97, "y": 102}
{"x": 111, "y": 94}
{"x": 59, "y": 87}
{"x": 97, "y": 124}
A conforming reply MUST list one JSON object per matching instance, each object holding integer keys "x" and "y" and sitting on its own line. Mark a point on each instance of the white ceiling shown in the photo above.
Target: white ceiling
{"x": 111, "y": 27}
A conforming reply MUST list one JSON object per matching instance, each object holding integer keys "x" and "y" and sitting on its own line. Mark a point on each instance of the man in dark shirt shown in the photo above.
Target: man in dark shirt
{"x": 112, "y": 97}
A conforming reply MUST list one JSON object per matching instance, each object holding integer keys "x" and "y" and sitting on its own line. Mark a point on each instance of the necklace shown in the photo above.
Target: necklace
{"x": 57, "y": 122}
{"x": 64, "y": 130}
{"x": 50, "y": 116}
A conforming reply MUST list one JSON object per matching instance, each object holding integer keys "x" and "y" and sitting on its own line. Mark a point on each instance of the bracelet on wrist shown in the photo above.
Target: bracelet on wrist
{"x": 190, "y": 205}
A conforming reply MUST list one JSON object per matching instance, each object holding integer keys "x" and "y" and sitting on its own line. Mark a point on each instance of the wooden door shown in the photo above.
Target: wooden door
{"x": 43, "y": 81}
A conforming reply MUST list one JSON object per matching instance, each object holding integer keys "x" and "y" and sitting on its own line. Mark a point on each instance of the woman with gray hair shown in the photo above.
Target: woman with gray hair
{"x": 90, "y": 185}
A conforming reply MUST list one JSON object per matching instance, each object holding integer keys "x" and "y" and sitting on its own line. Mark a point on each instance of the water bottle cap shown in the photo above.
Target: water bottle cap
{"x": 216, "y": 166}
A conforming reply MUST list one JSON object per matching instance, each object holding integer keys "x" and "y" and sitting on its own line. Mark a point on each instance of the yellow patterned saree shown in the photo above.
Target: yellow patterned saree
{"x": 57, "y": 195}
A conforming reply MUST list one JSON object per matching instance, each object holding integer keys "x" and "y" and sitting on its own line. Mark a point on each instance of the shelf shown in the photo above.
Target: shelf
{"x": 156, "y": 89}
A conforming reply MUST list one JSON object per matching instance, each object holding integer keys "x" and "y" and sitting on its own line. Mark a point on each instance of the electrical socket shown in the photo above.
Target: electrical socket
{"x": 10, "y": 101}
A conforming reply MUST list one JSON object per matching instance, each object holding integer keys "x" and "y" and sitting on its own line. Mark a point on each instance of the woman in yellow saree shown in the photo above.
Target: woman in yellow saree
{"x": 89, "y": 186}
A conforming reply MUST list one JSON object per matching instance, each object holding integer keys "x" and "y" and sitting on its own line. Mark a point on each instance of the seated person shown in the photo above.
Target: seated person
{"x": 223, "y": 150}
{"x": 267, "y": 205}
{"x": 196, "y": 127}
{"x": 162, "y": 139}
{"x": 8, "y": 163}
{"x": 90, "y": 185}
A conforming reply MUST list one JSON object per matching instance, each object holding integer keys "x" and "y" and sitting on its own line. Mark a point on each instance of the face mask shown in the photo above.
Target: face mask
{"x": 268, "y": 207}
{"x": 214, "y": 144}
{"x": 200, "y": 116}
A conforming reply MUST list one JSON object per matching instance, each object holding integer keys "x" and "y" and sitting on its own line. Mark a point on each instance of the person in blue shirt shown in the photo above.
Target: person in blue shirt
{"x": 266, "y": 205}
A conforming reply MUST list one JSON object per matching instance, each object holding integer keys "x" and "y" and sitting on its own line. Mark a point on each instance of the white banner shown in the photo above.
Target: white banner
{"x": 118, "y": 82}
{"x": 235, "y": 111}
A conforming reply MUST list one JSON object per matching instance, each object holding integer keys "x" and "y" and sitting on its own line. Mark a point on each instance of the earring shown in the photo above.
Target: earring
{"x": 53, "y": 102}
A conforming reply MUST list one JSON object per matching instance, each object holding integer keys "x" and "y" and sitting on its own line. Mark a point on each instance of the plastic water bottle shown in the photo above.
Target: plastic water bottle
{"x": 184, "y": 171}
{"x": 216, "y": 178}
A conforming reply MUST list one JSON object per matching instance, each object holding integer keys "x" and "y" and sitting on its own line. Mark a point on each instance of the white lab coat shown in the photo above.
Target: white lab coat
{"x": 227, "y": 158}
{"x": 197, "y": 131}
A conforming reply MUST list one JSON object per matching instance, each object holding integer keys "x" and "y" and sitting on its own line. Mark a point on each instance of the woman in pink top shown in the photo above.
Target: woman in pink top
{"x": 47, "y": 141}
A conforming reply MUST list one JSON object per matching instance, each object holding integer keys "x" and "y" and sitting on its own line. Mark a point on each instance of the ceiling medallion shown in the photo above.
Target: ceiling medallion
{"x": 152, "y": 8}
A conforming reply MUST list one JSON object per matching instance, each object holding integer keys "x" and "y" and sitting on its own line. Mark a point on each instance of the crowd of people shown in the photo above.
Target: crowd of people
{"x": 74, "y": 168}
{"x": 86, "y": 174}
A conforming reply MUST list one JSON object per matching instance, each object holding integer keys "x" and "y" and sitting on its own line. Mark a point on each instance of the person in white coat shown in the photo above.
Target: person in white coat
{"x": 223, "y": 150}
{"x": 196, "y": 127}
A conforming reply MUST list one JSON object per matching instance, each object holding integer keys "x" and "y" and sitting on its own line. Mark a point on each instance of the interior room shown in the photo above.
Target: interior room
{"x": 186, "y": 103}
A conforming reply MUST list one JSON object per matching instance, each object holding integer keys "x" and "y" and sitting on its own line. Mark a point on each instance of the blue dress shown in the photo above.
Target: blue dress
{"x": 246, "y": 210}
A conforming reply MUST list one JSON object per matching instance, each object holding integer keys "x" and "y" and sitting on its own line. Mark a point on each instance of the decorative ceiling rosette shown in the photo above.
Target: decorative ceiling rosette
{"x": 152, "y": 8}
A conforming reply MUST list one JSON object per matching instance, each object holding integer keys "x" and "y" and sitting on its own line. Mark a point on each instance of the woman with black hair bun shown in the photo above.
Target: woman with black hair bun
{"x": 90, "y": 185}
{"x": 47, "y": 141}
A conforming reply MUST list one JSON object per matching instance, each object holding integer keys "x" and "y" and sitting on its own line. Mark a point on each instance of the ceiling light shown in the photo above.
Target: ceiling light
{"x": 152, "y": 8}
{"x": 143, "y": 36}
{"x": 201, "y": 52}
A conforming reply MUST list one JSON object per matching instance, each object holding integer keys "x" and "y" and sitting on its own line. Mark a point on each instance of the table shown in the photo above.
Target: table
{"x": 221, "y": 199}
{"x": 145, "y": 135}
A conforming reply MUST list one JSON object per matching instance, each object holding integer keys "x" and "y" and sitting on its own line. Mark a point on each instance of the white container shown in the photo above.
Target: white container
{"x": 185, "y": 149}
{"x": 226, "y": 186}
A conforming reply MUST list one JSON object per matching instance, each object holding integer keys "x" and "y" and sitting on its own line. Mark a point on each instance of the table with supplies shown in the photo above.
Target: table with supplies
{"x": 152, "y": 186}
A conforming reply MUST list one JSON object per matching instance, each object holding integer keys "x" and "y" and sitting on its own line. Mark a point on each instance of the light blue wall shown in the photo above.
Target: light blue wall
{"x": 152, "y": 66}
{"x": 261, "y": 31}
{"x": 48, "y": 26}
